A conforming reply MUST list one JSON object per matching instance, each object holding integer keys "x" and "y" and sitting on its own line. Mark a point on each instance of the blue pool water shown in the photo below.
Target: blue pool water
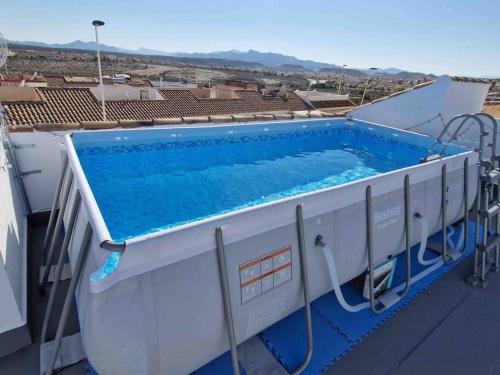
{"x": 142, "y": 187}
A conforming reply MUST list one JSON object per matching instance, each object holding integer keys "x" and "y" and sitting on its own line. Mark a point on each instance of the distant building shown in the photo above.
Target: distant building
{"x": 65, "y": 81}
{"x": 319, "y": 99}
{"x": 247, "y": 85}
{"x": 172, "y": 85}
{"x": 23, "y": 81}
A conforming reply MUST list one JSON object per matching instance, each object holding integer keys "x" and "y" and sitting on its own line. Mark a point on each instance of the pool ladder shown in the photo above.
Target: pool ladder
{"x": 487, "y": 249}
{"x": 63, "y": 350}
{"x": 487, "y": 204}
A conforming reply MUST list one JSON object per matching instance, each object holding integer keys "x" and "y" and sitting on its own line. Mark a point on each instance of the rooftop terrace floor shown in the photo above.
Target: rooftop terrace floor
{"x": 450, "y": 328}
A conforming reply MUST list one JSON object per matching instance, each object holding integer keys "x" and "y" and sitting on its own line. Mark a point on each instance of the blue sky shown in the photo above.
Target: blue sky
{"x": 459, "y": 37}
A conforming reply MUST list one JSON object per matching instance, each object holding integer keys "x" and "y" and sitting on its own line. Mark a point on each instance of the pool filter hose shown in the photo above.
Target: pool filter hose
{"x": 435, "y": 264}
{"x": 334, "y": 278}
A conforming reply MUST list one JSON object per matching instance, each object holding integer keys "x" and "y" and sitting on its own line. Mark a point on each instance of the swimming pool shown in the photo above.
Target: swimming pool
{"x": 164, "y": 191}
{"x": 173, "y": 182}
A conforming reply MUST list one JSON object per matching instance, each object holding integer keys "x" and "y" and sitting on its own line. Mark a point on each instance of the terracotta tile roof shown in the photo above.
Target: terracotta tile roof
{"x": 77, "y": 105}
{"x": 69, "y": 105}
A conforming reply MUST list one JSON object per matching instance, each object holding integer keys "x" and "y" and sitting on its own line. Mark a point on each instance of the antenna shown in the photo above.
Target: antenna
{"x": 4, "y": 52}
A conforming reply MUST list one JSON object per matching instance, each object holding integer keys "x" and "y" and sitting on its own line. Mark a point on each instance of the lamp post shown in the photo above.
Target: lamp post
{"x": 341, "y": 78}
{"x": 366, "y": 86}
{"x": 96, "y": 24}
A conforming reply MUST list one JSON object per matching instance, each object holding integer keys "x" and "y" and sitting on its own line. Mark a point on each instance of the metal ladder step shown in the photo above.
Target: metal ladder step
{"x": 491, "y": 243}
{"x": 431, "y": 158}
{"x": 451, "y": 254}
{"x": 492, "y": 176}
{"x": 389, "y": 298}
{"x": 492, "y": 211}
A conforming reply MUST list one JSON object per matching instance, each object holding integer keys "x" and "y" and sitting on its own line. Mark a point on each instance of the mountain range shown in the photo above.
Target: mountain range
{"x": 268, "y": 59}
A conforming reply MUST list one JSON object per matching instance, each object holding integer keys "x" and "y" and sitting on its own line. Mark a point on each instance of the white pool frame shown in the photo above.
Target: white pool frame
{"x": 161, "y": 310}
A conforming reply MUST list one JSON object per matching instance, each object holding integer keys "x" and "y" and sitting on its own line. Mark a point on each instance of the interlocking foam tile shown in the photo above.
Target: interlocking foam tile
{"x": 287, "y": 340}
{"x": 219, "y": 366}
{"x": 89, "y": 370}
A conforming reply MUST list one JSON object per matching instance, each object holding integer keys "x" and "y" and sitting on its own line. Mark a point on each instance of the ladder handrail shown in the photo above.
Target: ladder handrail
{"x": 493, "y": 145}
{"x": 466, "y": 117}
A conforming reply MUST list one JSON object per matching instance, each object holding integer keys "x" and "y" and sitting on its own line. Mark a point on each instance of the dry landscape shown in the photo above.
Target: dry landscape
{"x": 26, "y": 60}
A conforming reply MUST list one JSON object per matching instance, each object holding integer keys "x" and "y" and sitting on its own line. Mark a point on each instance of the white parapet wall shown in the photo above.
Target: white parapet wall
{"x": 39, "y": 152}
{"x": 13, "y": 261}
{"x": 413, "y": 108}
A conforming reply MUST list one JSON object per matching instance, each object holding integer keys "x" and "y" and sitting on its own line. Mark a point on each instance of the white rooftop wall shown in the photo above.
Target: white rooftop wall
{"x": 43, "y": 154}
{"x": 444, "y": 96}
{"x": 125, "y": 92}
{"x": 13, "y": 228}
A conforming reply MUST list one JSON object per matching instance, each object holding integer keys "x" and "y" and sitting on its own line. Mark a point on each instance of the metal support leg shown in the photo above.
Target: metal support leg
{"x": 57, "y": 231}
{"x": 80, "y": 261}
{"x": 389, "y": 298}
{"x": 484, "y": 251}
{"x": 476, "y": 230}
{"x": 221, "y": 258}
{"x": 55, "y": 203}
{"x": 466, "y": 203}
{"x": 305, "y": 284}
{"x": 473, "y": 278}
{"x": 60, "y": 266}
{"x": 444, "y": 244}
{"x": 496, "y": 267}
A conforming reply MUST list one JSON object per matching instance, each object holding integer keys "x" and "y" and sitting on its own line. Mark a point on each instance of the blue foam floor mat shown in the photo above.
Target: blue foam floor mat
{"x": 335, "y": 330}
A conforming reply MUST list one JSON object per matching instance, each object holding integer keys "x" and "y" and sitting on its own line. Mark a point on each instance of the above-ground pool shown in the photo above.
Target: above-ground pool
{"x": 142, "y": 186}
{"x": 164, "y": 191}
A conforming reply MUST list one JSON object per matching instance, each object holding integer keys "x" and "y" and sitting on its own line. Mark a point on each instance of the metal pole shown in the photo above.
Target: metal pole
{"x": 80, "y": 261}
{"x": 369, "y": 237}
{"x": 443, "y": 214}
{"x": 221, "y": 258}
{"x": 97, "y": 24}
{"x": 55, "y": 203}
{"x": 305, "y": 283}
{"x": 60, "y": 266}
{"x": 407, "y": 234}
{"x": 364, "y": 92}
{"x": 57, "y": 231}
{"x": 497, "y": 231}
{"x": 466, "y": 203}
{"x": 478, "y": 219}
{"x": 484, "y": 252}
{"x": 341, "y": 79}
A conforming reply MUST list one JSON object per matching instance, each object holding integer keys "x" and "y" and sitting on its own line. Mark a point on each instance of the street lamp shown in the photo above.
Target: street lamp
{"x": 366, "y": 86}
{"x": 341, "y": 78}
{"x": 96, "y": 24}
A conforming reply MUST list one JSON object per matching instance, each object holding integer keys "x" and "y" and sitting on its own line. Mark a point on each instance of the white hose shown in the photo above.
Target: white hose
{"x": 334, "y": 278}
{"x": 424, "y": 233}
{"x": 436, "y": 263}
{"x": 449, "y": 240}
{"x": 460, "y": 246}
